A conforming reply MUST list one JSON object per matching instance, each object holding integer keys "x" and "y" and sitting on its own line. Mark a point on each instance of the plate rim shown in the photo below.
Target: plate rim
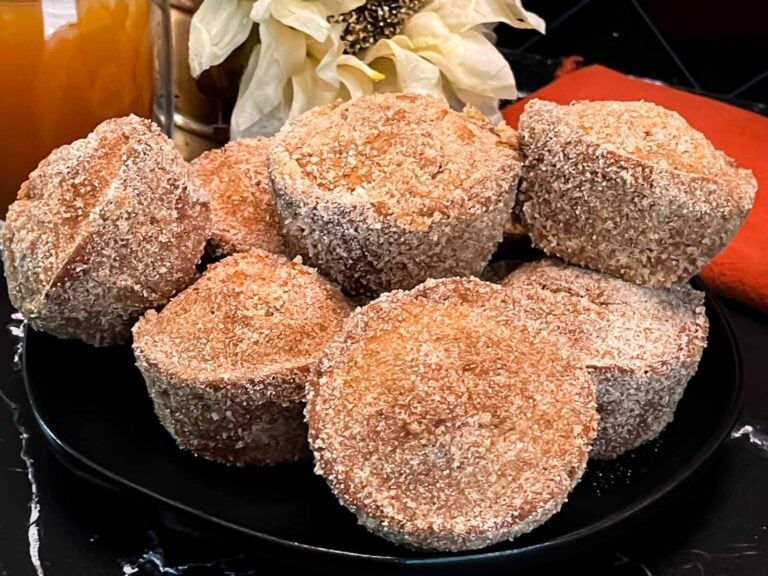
{"x": 693, "y": 465}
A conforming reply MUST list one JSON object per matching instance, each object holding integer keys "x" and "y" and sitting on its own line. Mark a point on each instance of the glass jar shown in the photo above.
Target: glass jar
{"x": 65, "y": 66}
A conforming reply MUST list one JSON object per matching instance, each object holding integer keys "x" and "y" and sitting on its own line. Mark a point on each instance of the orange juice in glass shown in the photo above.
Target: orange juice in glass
{"x": 66, "y": 65}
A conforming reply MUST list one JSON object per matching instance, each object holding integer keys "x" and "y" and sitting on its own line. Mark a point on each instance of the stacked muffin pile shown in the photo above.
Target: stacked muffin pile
{"x": 446, "y": 412}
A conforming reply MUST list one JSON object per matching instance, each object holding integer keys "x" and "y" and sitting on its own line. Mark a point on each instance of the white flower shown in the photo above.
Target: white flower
{"x": 461, "y": 15}
{"x": 308, "y": 16}
{"x": 445, "y": 50}
{"x": 217, "y": 28}
{"x": 293, "y": 72}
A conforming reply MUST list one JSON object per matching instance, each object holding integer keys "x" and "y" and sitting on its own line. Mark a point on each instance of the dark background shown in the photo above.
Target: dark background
{"x": 719, "y": 527}
{"x": 718, "y": 48}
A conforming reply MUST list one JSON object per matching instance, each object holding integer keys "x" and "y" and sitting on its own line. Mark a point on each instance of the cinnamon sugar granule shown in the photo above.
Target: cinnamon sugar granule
{"x": 650, "y": 133}
{"x": 445, "y": 421}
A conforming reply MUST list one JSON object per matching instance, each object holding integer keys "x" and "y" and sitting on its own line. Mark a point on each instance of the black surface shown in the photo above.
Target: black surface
{"x": 716, "y": 49}
{"x": 722, "y": 46}
{"x": 618, "y": 37}
{"x": 103, "y": 422}
{"x": 757, "y": 91}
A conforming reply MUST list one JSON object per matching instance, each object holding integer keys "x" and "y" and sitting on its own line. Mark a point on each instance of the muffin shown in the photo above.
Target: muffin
{"x": 104, "y": 229}
{"x": 226, "y": 361}
{"x": 629, "y": 189}
{"x": 385, "y": 191}
{"x": 641, "y": 346}
{"x": 444, "y": 420}
{"x": 243, "y": 215}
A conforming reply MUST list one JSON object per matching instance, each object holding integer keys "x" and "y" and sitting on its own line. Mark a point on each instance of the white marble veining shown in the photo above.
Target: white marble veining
{"x": 33, "y": 528}
{"x": 16, "y": 328}
{"x": 153, "y": 558}
{"x": 756, "y": 435}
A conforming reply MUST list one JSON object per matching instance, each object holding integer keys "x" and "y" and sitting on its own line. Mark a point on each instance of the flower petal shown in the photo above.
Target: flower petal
{"x": 264, "y": 85}
{"x": 461, "y": 15}
{"x": 334, "y": 7}
{"x": 469, "y": 61}
{"x": 355, "y": 62}
{"x": 261, "y": 10}
{"x": 217, "y": 28}
{"x": 355, "y": 82}
{"x": 328, "y": 53}
{"x": 488, "y": 105}
{"x": 268, "y": 124}
{"x": 309, "y": 90}
{"x": 404, "y": 70}
{"x": 330, "y": 57}
{"x": 308, "y": 17}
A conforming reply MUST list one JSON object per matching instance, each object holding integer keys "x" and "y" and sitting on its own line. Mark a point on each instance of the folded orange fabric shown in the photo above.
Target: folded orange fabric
{"x": 741, "y": 270}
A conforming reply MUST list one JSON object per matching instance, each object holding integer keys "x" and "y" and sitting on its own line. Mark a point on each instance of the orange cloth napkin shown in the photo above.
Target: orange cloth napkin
{"x": 741, "y": 270}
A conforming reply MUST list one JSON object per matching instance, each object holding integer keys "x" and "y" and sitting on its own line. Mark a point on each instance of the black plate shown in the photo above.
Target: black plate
{"x": 93, "y": 407}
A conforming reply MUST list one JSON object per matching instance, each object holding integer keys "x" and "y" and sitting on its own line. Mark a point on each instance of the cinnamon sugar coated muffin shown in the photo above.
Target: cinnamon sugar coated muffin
{"x": 227, "y": 360}
{"x": 445, "y": 421}
{"x": 385, "y": 191}
{"x": 629, "y": 189}
{"x": 641, "y": 346}
{"x": 242, "y": 212}
{"x": 103, "y": 229}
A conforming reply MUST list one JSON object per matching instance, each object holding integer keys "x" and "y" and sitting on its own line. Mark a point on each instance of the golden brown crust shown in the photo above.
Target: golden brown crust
{"x": 445, "y": 421}
{"x": 629, "y": 189}
{"x": 641, "y": 346}
{"x": 243, "y": 215}
{"x": 105, "y": 228}
{"x": 387, "y": 190}
{"x": 232, "y": 353}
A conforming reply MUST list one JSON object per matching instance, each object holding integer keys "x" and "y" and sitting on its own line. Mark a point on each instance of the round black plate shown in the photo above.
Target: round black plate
{"x": 93, "y": 407}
